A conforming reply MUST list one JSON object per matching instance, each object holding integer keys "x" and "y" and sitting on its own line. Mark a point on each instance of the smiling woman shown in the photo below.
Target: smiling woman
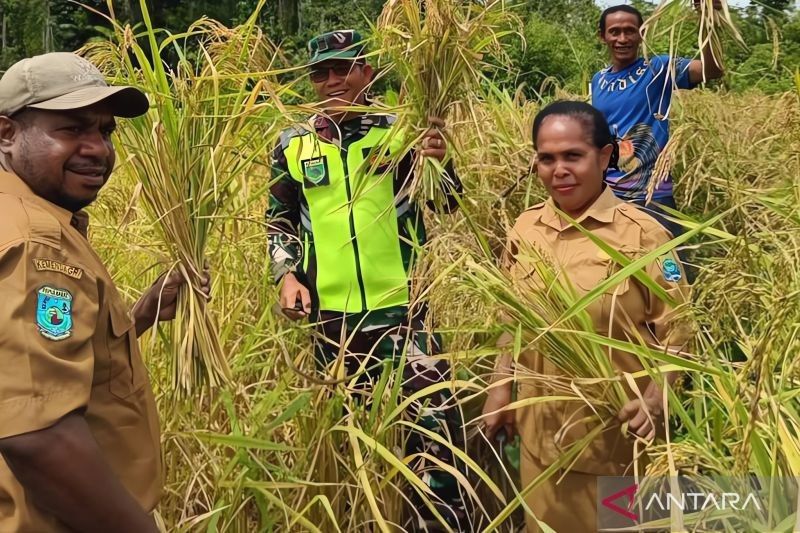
{"x": 571, "y": 163}
{"x": 550, "y": 253}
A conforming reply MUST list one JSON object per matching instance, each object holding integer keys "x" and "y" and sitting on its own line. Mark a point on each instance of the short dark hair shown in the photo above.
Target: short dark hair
{"x": 614, "y": 9}
{"x": 592, "y": 120}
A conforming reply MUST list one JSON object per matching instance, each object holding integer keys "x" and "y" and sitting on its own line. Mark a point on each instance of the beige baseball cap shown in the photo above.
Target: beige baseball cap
{"x": 62, "y": 81}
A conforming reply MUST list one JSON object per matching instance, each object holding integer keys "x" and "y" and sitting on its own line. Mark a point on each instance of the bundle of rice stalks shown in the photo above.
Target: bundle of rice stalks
{"x": 438, "y": 48}
{"x": 546, "y": 314}
{"x": 715, "y": 23}
{"x": 208, "y": 127}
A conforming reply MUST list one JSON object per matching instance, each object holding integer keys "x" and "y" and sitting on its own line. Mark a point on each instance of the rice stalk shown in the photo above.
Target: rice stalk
{"x": 713, "y": 25}
{"x": 439, "y": 49}
{"x": 797, "y": 81}
{"x": 210, "y": 121}
{"x": 666, "y": 159}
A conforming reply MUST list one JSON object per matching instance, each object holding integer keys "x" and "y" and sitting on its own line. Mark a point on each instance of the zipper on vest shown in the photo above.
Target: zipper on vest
{"x": 343, "y": 155}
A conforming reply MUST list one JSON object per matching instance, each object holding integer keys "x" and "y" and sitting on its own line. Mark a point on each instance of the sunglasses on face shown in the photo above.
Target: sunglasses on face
{"x": 319, "y": 73}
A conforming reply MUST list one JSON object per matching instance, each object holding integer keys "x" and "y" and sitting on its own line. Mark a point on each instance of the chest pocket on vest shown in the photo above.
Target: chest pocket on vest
{"x": 126, "y": 369}
{"x": 315, "y": 172}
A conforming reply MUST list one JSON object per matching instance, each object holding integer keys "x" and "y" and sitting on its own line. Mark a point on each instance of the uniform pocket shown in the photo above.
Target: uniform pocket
{"x": 121, "y": 339}
{"x": 595, "y": 271}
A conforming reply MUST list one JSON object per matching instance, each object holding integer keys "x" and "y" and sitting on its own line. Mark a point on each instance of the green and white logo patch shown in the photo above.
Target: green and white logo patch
{"x": 54, "y": 312}
{"x": 315, "y": 171}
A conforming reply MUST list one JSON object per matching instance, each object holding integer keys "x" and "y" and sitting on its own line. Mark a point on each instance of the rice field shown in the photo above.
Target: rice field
{"x": 273, "y": 449}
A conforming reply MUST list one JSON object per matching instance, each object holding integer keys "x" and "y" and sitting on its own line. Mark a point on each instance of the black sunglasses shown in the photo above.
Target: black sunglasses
{"x": 319, "y": 73}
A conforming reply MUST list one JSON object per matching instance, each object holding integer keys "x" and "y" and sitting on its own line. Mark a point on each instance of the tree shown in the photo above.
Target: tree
{"x": 289, "y": 15}
{"x": 772, "y": 7}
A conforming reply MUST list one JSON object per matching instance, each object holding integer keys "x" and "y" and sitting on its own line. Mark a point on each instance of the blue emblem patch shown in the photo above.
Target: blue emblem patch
{"x": 54, "y": 313}
{"x": 670, "y": 270}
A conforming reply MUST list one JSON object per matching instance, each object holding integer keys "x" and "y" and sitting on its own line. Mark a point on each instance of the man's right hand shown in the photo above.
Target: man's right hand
{"x": 292, "y": 292}
{"x": 497, "y": 398}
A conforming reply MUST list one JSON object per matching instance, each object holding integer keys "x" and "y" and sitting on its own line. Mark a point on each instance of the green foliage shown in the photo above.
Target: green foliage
{"x": 767, "y": 71}
{"x": 559, "y": 41}
{"x": 551, "y": 51}
{"x": 558, "y": 44}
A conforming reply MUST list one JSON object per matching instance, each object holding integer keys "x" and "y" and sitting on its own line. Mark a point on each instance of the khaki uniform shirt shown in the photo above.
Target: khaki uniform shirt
{"x": 625, "y": 307}
{"x": 67, "y": 343}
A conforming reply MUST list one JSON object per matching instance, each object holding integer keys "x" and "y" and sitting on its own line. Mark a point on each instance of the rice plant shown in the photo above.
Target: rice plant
{"x": 273, "y": 450}
{"x": 211, "y": 122}
{"x": 438, "y": 48}
{"x": 711, "y": 17}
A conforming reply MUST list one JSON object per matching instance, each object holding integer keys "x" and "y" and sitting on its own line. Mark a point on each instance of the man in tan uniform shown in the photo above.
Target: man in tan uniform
{"x": 79, "y": 433}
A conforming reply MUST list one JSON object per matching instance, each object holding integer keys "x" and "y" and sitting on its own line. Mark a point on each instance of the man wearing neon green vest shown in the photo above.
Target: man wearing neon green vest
{"x": 343, "y": 233}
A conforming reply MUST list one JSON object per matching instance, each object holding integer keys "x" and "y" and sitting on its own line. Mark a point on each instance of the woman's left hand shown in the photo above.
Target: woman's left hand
{"x": 433, "y": 143}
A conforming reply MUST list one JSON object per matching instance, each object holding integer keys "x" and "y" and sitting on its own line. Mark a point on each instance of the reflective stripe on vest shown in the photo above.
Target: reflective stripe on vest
{"x": 353, "y": 219}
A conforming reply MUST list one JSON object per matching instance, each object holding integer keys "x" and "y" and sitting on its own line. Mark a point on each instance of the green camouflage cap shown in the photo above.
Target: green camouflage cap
{"x": 339, "y": 44}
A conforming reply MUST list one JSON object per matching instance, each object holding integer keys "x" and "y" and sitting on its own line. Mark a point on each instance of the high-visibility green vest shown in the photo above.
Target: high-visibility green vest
{"x": 351, "y": 203}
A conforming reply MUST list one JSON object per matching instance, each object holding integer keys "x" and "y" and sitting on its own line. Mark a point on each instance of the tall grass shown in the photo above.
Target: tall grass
{"x": 275, "y": 451}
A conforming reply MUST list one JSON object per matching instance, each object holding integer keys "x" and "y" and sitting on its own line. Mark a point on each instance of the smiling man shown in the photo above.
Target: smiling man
{"x": 635, "y": 95}
{"x": 79, "y": 435}
{"x": 343, "y": 237}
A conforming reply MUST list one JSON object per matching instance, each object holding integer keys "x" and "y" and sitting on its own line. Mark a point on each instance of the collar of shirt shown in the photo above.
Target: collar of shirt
{"x": 13, "y": 185}
{"x": 602, "y": 210}
{"x": 339, "y": 132}
{"x": 624, "y": 72}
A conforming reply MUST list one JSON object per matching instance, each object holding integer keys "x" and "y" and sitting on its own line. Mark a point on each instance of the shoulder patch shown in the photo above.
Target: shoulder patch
{"x": 51, "y": 265}
{"x": 54, "y": 313}
{"x": 670, "y": 268}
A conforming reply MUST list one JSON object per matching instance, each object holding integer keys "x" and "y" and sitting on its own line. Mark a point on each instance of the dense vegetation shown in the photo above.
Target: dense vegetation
{"x": 558, "y": 40}
{"x": 274, "y": 450}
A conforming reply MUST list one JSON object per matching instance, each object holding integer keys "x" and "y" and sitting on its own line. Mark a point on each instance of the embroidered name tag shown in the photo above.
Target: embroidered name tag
{"x": 55, "y": 266}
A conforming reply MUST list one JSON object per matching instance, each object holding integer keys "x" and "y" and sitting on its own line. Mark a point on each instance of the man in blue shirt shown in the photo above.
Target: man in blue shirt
{"x": 635, "y": 95}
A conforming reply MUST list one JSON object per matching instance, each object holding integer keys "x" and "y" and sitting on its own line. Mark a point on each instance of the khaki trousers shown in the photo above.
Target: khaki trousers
{"x": 567, "y": 504}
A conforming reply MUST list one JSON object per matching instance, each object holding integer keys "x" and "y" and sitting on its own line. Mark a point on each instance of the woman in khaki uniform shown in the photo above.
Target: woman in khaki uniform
{"x": 574, "y": 149}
